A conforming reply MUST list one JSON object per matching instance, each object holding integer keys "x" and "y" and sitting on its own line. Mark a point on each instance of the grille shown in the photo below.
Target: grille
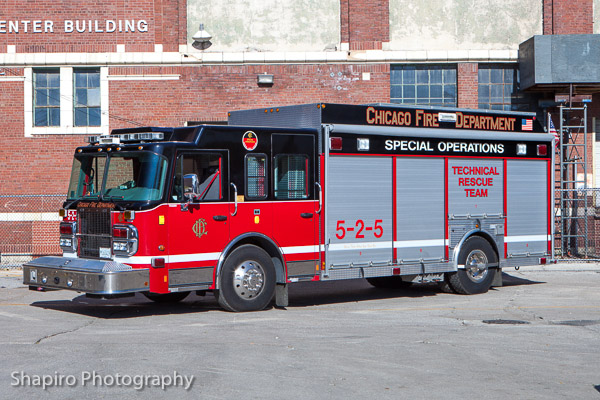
{"x": 94, "y": 232}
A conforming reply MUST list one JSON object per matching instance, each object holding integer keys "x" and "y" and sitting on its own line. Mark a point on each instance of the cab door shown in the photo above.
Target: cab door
{"x": 199, "y": 229}
{"x": 295, "y": 202}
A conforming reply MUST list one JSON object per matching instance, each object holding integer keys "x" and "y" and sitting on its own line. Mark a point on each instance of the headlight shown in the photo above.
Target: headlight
{"x": 120, "y": 246}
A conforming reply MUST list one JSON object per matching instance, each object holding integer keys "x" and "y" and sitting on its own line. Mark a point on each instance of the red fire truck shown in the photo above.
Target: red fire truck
{"x": 311, "y": 192}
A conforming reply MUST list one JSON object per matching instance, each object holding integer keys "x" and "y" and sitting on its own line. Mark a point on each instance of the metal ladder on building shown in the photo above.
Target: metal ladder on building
{"x": 572, "y": 207}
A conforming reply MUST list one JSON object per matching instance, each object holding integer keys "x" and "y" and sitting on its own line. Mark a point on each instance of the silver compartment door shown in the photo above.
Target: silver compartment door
{"x": 527, "y": 207}
{"x": 359, "y": 211}
{"x": 420, "y": 209}
{"x": 475, "y": 188}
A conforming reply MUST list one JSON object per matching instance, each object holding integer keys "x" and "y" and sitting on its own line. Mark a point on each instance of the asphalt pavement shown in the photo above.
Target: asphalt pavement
{"x": 537, "y": 337}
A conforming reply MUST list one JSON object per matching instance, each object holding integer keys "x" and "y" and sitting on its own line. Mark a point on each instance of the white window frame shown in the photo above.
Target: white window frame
{"x": 67, "y": 108}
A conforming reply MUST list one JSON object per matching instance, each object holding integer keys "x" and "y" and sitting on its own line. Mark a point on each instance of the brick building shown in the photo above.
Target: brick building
{"x": 71, "y": 69}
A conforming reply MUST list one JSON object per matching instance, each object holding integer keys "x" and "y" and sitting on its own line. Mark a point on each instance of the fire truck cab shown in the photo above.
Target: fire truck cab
{"x": 312, "y": 192}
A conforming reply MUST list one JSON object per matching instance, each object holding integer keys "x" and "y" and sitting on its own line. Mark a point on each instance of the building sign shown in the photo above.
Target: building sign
{"x": 73, "y": 26}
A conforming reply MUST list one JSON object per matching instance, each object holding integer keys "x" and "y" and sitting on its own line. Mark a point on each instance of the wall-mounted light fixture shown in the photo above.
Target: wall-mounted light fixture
{"x": 201, "y": 39}
{"x": 264, "y": 79}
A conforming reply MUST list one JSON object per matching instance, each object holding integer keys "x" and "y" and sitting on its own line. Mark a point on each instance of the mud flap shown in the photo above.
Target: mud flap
{"x": 497, "y": 282}
{"x": 281, "y": 295}
{"x": 159, "y": 280}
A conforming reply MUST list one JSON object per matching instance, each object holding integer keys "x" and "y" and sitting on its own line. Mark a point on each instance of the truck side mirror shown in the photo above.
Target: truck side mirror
{"x": 191, "y": 186}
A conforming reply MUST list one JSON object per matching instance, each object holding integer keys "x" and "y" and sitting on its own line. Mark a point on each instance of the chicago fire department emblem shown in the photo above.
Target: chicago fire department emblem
{"x": 250, "y": 140}
{"x": 199, "y": 227}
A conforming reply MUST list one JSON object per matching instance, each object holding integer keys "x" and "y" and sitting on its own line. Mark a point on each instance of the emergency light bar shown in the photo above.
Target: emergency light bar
{"x": 125, "y": 137}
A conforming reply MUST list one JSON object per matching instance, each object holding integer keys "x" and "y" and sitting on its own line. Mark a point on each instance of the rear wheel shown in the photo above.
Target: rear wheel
{"x": 445, "y": 285}
{"x": 476, "y": 255}
{"x": 389, "y": 282}
{"x": 174, "y": 297}
{"x": 247, "y": 280}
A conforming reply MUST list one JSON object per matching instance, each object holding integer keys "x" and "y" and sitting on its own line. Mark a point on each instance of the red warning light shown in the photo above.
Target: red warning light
{"x": 542, "y": 150}
{"x": 335, "y": 143}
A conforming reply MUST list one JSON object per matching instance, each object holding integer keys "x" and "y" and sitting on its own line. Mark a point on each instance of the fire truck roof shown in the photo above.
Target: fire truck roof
{"x": 391, "y": 115}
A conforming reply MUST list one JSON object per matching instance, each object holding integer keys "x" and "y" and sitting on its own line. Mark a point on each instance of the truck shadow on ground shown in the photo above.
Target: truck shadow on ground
{"x": 332, "y": 292}
{"x": 303, "y": 294}
{"x": 511, "y": 280}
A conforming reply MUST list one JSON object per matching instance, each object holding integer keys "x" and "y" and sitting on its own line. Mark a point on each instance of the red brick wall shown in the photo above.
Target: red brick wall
{"x": 593, "y": 111}
{"x": 166, "y": 25}
{"x": 562, "y": 17}
{"x": 29, "y": 165}
{"x": 206, "y": 93}
{"x": 365, "y": 24}
{"x": 41, "y": 164}
{"x": 467, "y": 85}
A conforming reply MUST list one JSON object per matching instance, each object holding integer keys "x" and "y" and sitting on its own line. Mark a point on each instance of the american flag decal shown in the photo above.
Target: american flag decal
{"x": 526, "y": 124}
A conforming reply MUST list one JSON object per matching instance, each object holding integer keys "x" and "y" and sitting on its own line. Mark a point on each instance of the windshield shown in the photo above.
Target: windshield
{"x": 136, "y": 176}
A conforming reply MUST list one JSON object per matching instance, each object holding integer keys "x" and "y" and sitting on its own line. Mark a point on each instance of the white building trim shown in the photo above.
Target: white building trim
{"x": 173, "y": 77}
{"x": 189, "y": 55}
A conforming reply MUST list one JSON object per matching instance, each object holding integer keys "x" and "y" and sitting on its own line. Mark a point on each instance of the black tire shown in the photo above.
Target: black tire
{"x": 476, "y": 255}
{"x": 389, "y": 282}
{"x": 174, "y": 297}
{"x": 247, "y": 280}
{"x": 445, "y": 286}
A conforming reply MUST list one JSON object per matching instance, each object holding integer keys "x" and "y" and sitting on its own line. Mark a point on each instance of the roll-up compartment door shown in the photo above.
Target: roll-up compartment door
{"x": 420, "y": 209}
{"x": 527, "y": 207}
{"x": 359, "y": 210}
{"x": 475, "y": 188}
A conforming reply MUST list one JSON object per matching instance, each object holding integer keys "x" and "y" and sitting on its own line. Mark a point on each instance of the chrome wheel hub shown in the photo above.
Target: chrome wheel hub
{"x": 476, "y": 266}
{"x": 248, "y": 279}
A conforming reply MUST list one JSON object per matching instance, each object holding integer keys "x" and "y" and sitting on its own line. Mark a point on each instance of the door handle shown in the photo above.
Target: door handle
{"x": 320, "y": 197}
{"x": 234, "y": 198}
{"x": 306, "y": 215}
{"x": 220, "y": 217}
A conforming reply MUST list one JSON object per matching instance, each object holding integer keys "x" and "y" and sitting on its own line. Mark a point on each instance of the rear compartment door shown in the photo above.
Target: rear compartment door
{"x": 359, "y": 211}
{"x": 420, "y": 202}
{"x": 527, "y": 228}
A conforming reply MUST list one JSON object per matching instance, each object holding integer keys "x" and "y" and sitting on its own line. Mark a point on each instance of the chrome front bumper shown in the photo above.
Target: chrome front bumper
{"x": 99, "y": 277}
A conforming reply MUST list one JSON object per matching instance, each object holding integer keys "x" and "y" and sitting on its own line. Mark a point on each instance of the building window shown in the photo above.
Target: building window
{"x": 431, "y": 85}
{"x": 66, "y": 100}
{"x": 87, "y": 97}
{"x": 46, "y": 97}
{"x": 499, "y": 88}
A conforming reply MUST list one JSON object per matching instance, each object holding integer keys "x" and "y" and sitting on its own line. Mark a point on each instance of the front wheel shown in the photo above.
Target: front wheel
{"x": 476, "y": 255}
{"x": 247, "y": 280}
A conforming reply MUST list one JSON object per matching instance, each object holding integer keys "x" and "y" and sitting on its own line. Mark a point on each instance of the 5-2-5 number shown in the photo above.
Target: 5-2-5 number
{"x": 358, "y": 228}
